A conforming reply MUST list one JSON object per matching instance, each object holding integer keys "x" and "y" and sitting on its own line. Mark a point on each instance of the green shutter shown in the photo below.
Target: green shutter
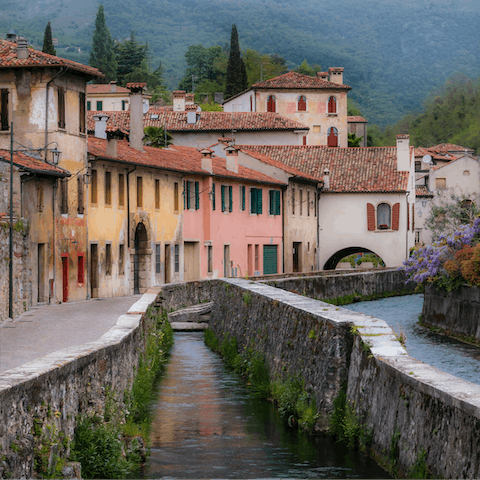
{"x": 277, "y": 202}
{"x": 253, "y": 200}
{"x": 197, "y": 196}
{"x": 213, "y": 196}
{"x": 184, "y": 195}
{"x": 271, "y": 208}
{"x": 230, "y": 198}
{"x": 243, "y": 197}
{"x": 188, "y": 194}
{"x": 269, "y": 259}
{"x": 223, "y": 198}
{"x": 259, "y": 201}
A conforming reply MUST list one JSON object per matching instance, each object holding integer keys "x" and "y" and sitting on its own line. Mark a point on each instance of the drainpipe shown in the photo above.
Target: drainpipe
{"x": 283, "y": 227}
{"x": 128, "y": 204}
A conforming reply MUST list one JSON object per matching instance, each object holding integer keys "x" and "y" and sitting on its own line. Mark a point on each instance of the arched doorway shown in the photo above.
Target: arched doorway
{"x": 331, "y": 263}
{"x": 332, "y": 137}
{"x": 140, "y": 260}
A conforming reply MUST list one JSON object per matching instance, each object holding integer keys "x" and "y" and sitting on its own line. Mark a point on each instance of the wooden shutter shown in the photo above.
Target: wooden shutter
{"x": 187, "y": 193}
{"x": 80, "y": 201}
{"x": 157, "y": 194}
{"x": 396, "y": 216}
{"x": 332, "y": 105}
{"x": 253, "y": 200}
{"x": 197, "y": 195}
{"x": 213, "y": 196}
{"x": 81, "y": 112}
{"x": 259, "y": 201}
{"x": 4, "y": 109}
{"x": 408, "y": 217}
{"x": 302, "y": 104}
{"x": 223, "y": 198}
{"x": 370, "y": 217}
{"x": 243, "y": 197}
{"x": 64, "y": 195}
{"x": 413, "y": 218}
{"x": 61, "y": 107}
{"x": 184, "y": 195}
{"x": 277, "y": 203}
{"x": 230, "y": 198}
{"x": 271, "y": 104}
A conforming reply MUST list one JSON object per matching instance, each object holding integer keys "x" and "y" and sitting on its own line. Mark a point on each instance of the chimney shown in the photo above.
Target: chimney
{"x": 323, "y": 75}
{"x": 189, "y": 99}
{"x": 403, "y": 153}
{"x": 112, "y": 139}
{"x": 326, "y": 179}
{"x": 179, "y": 100}
{"x": 22, "y": 48}
{"x": 136, "y": 115}
{"x": 335, "y": 75}
{"x": 113, "y": 86}
{"x": 232, "y": 159}
{"x": 101, "y": 125}
{"x": 11, "y": 36}
{"x": 207, "y": 162}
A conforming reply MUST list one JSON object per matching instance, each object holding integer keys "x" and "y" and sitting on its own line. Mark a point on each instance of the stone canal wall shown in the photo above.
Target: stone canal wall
{"x": 413, "y": 411}
{"x": 47, "y": 394}
{"x": 457, "y": 312}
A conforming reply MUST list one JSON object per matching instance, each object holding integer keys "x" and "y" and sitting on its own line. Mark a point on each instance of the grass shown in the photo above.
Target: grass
{"x": 356, "y": 297}
{"x": 470, "y": 339}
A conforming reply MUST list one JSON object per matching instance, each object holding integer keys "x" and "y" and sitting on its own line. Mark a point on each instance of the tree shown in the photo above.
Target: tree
{"x": 353, "y": 140}
{"x": 131, "y": 58}
{"x": 262, "y": 66}
{"x": 102, "y": 55}
{"x": 236, "y": 72}
{"x": 155, "y": 137}
{"x": 47, "y": 41}
{"x": 306, "y": 69}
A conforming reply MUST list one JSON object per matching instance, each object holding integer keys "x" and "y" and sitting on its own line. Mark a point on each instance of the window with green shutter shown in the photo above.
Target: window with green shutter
{"x": 230, "y": 198}
{"x": 259, "y": 201}
{"x": 256, "y": 200}
{"x": 197, "y": 195}
{"x": 242, "y": 195}
{"x": 274, "y": 197}
{"x": 187, "y": 193}
{"x": 213, "y": 196}
{"x": 184, "y": 195}
{"x": 223, "y": 198}
{"x": 277, "y": 202}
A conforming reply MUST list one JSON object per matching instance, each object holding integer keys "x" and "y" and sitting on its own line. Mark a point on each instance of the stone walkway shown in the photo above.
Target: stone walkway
{"x": 46, "y": 329}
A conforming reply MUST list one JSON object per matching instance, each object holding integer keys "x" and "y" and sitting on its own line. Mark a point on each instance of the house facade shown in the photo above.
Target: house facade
{"x": 318, "y": 102}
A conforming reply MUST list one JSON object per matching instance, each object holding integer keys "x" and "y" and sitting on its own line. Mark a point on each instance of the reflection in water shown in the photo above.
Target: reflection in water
{"x": 447, "y": 354}
{"x": 207, "y": 425}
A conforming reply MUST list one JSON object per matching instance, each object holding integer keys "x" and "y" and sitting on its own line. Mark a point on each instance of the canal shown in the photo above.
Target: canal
{"x": 208, "y": 425}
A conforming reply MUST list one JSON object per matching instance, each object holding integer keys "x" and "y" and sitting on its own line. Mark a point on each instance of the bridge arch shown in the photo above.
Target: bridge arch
{"x": 332, "y": 262}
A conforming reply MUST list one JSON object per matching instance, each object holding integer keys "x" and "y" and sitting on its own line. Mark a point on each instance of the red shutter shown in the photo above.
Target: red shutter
{"x": 413, "y": 218}
{"x": 395, "y": 216}
{"x": 332, "y": 105}
{"x": 305, "y": 140}
{"x": 302, "y": 104}
{"x": 271, "y": 104}
{"x": 370, "y": 217}
{"x": 408, "y": 217}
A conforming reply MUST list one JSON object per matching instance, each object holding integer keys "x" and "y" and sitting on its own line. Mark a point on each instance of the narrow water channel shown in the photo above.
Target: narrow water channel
{"x": 208, "y": 425}
{"x": 444, "y": 353}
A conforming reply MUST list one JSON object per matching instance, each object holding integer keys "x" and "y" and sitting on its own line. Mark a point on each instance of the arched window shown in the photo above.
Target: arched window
{"x": 332, "y": 137}
{"x": 271, "y": 104}
{"x": 384, "y": 216}
{"x": 302, "y": 104}
{"x": 332, "y": 105}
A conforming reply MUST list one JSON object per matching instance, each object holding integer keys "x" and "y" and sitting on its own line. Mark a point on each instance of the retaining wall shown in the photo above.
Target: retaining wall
{"x": 458, "y": 312}
{"x": 409, "y": 406}
{"x": 50, "y": 392}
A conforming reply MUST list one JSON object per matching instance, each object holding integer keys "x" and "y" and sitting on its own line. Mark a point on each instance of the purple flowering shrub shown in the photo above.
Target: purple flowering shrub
{"x": 441, "y": 262}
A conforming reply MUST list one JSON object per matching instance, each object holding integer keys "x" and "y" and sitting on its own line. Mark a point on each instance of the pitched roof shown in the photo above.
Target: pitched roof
{"x": 352, "y": 170}
{"x": 450, "y": 147}
{"x": 208, "y": 121}
{"x": 9, "y": 59}
{"x": 176, "y": 158}
{"x": 422, "y": 191}
{"x": 105, "y": 88}
{"x": 356, "y": 119}
{"x": 294, "y": 80}
{"x": 34, "y": 165}
{"x": 434, "y": 153}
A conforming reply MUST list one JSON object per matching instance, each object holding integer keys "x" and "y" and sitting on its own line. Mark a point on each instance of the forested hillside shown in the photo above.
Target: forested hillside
{"x": 394, "y": 52}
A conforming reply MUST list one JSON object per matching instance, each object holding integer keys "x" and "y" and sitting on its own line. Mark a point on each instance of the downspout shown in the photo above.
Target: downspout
{"x": 283, "y": 227}
{"x": 128, "y": 204}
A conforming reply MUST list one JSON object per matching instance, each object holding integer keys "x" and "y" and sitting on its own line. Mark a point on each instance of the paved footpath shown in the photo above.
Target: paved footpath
{"x": 46, "y": 329}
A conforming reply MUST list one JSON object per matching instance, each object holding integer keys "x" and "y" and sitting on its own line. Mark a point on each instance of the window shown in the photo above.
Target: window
{"x": 108, "y": 188}
{"x": 64, "y": 196}
{"x": 94, "y": 197}
{"x": 89, "y": 105}
{"x": 308, "y": 203}
{"x": 176, "y": 202}
{"x": 332, "y": 137}
{"x": 177, "y": 258}
{"x": 121, "y": 190}
{"x": 242, "y": 197}
{"x": 302, "y": 104}
{"x": 274, "y": 197}
{"x": 139, "y": 192}
{"x": 271, "y": 104}
{"x": 61, "y": 107}
{"x": 189, "y": 194}
{"x": 80, "y": 200}
{"x": 317, "y": 129}
{"x": 124, "y": 104}
{"x": 157, "y": 258}
{"x": 315, "y": 207}
{"x": 293, "y": 201}
{"x": 157, "y": 194}
{"x": 301, "y": 202}
{"x": 332, "y": 105}
{"x": 209, "y": 258}
{"x": 213, "y": 196}
{"x": 121, "y": 259}
{"x": 108, "y": 259}
{"x": 99, "y": 105}
{"x": 81, "y": 112}
{"x": 81, "y": 269}
{"x": 39, "y": 198}
{"x": 383, "y": 216}
{"x": 230, "y": 198}
{"x": 4, "y": 109}
{"x": 256, "y": 200}
{"x": 441, "y": 183}
{"x": 222, "y": 188}
{"x": 417, "y": 236}
{"x": 197, "y": 195}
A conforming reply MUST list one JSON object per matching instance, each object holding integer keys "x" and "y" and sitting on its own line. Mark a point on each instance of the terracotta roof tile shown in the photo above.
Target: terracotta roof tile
{"x": 298, "y": 81}
{"x": 434, "y": 153}
{"x": 422, "y": 191}
{"x": 33, "y": 165}
{"x": 355, "y": 119}
{"x": 363, "y": 169}
{"x": 175, "y": 158}
{"x": 9, "y": 59}
{"x": 450, "y": 147}
{"x": 208, "y": 122}
{"x": 103, "y": 88}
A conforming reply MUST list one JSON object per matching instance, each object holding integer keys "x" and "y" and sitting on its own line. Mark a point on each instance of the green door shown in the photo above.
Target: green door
{"x": 269, "y": 259}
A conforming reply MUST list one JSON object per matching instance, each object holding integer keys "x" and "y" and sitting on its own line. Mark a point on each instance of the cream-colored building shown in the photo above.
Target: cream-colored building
{"x": 111, "y": 97}
{"x": 318, "y": 102}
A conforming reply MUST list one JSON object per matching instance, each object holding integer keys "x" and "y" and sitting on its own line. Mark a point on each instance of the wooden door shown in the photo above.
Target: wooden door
{"x": 168, "y": 260}
{"x": 297, "y": 248}
{"x": 270, "y": 259}
{"x": 227, "y": 271}
{"x": 94, "y": 270}
{"x": 64, "y": 279}
{"x": 41, "y": 273}
{"x": 192, "y": 261}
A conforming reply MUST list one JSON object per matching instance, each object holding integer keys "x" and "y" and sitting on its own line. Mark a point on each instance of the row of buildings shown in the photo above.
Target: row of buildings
{"x": 233, "y": 196}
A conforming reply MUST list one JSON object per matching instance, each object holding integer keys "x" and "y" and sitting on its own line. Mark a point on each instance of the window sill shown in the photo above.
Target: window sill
{"x": 332, "y": 114}
{"x": 381, "y": 230}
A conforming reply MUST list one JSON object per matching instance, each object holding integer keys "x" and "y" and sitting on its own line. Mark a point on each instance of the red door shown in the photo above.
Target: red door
{"x": 332, "y": 140}
{"x": 65, "y": 278}
{"x": 271, "y": 104}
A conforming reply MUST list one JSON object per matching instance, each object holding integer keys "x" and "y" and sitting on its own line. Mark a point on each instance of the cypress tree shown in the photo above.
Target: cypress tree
{"x": 236, "y": 71}
{"x": 47, "y": 41}
{"x": 102, "y": 55}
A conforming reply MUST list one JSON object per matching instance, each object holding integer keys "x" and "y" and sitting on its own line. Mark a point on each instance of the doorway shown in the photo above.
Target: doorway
{"x": 140, "y": 270}
{"x": 192, "y": 261}
{"x": 41, "y": 273}
{"x": 65, "y": 278}
{"x": 94, "y": 270}
{"x": 226, "y": 261}
{"x": 168, "y": 276}
{"x": 297, "y": 257}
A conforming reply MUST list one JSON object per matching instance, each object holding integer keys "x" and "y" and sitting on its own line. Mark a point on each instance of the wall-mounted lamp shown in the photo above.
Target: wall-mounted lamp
{"x": 87, "y": 177}
{"x": 211, "y": 193}
{"x": 56, "y": 154}
{"x": 424, "y": 203}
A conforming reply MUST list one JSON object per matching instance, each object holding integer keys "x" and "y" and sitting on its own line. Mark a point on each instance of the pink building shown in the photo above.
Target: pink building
{"x": 232, "y": 220}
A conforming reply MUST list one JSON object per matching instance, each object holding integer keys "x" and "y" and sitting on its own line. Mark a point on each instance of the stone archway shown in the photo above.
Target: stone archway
{"x": 331, "y": 263}
{"x": 141, "y": 260}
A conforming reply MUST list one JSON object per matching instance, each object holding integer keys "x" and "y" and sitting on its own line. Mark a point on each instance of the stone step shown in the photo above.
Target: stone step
{"x": 188, "y": 326}
{"x": 194, "y": 313}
